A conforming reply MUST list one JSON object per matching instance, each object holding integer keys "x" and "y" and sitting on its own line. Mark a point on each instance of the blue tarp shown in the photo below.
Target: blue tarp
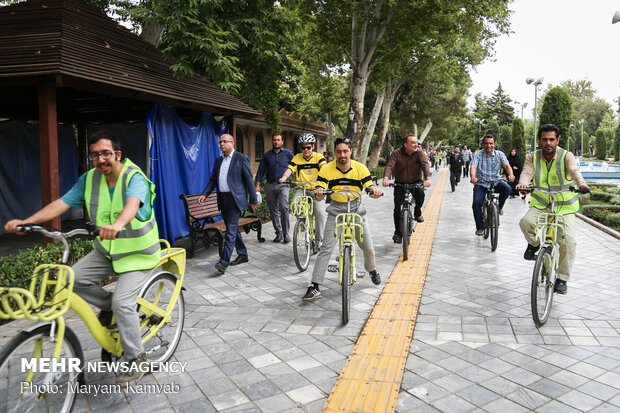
{"x": 182, "y": 158}
{"x": 20, "y": 168}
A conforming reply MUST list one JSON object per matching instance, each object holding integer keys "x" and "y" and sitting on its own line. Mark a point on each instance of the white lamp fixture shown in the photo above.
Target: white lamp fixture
{"x": 616, "y": 18}
{"x": 218, "y": 118}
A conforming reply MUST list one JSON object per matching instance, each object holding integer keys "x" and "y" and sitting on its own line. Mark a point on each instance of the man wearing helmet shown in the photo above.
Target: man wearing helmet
{"x": 272, "y": 166}
{"x": 306, "y": 166}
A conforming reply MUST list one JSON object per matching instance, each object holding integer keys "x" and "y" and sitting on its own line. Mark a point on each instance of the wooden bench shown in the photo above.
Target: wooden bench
{"x": 203, "y": 226}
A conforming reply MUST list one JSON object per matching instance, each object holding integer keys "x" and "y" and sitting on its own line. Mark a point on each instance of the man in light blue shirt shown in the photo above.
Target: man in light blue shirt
{"x": 486, "y": 167}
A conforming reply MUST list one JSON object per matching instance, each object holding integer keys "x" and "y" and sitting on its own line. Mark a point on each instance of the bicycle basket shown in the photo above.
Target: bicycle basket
{"x": 302, "y": 205}
{"x": 46, "y": 299}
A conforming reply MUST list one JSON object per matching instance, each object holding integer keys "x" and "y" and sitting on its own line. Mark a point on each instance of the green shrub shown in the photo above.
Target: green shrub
{"x": 17, "y": 270}
{"x": 608, "y": 215}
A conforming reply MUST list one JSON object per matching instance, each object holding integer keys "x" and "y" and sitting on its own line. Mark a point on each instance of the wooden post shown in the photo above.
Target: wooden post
{"x": 233, "y": 126}
{"x": 48, "y": 132}
{"x": 82, "y": 146}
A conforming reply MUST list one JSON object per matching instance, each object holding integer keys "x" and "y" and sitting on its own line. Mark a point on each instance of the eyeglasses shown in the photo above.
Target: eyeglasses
{"x": 105, "y": 155}
{"x": 221, "y": 142}
{"x": 305, "y": 148}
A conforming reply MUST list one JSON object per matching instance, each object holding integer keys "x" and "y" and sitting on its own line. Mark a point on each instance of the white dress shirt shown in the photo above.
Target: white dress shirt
{"x": 223, "y": 177}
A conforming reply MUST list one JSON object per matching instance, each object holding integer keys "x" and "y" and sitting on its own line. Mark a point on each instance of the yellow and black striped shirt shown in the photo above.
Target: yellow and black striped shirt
{"x": 307, "y": 170}
{"x": 354, "y": 180}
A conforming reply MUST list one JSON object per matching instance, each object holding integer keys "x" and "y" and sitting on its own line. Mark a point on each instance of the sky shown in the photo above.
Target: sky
{"x": 556, "y": 40}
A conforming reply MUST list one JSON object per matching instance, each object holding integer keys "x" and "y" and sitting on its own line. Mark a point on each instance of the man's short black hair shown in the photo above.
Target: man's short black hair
{"x": 105, "y": 134}
{"x": 549, "y": 127}
{"x": 342, "y": 139}
{"x": 488, "y": 135}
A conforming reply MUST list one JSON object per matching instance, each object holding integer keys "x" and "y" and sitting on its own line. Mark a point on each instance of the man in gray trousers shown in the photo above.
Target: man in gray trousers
{"x": 272, "y": 166}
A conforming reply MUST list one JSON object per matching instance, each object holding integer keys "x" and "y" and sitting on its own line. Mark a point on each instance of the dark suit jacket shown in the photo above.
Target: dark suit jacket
{"x": 240, "y": 180}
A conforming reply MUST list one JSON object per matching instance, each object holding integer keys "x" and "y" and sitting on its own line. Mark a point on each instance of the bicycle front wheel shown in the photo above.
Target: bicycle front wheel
{"x": 405, "y": 216}
{"x": 493, "y": 225}
{"x": 160, "y": 292}
{"x": 543, "y": 281}
{"x": 345, "y": 266}
{"x": 302, "y": 247}
{"x": 485, "y": 219}
{"x": 43, "y": 392}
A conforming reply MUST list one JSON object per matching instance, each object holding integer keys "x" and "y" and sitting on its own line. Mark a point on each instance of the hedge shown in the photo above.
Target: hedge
{"x": 17, "y": 270}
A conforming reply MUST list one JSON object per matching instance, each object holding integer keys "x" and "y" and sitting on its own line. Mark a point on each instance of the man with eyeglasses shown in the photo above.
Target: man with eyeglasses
{"x": 486, "y": 167}
{"x": 306, "y": 166}
{"x": 232, "y": 177}
{"x": 345, "y": 175}
{"x": 272, "y": 166}
{"x": 408, "y": 165}
{"x": 119, "y": 198}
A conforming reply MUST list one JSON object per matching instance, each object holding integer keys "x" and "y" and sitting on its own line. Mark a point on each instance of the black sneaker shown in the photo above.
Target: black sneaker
{"x": 530, "y": 252}
{"x": 138, "y": 368}
{"x": 105, "y": 318}
{"x": 375, "y": 277}
{"x": 419, "y": 219}
{"x": 560, "y": 287}
{"x": 311, "y": 294}
{"x": 397, "y": 239}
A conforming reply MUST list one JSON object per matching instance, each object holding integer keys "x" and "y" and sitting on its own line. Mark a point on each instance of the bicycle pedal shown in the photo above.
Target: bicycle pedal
{"x": 332, "y": 268}
{"x": 360, "y": 274}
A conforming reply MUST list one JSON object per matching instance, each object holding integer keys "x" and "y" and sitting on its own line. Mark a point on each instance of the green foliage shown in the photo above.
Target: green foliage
{"x": 602, "y": 204}
{"x": 518, "y": 138}
{"x": 237, "y": 45}
{"x": 17, "y": 270}
{"x": 617, "y": 143}
{"x": 557, "y": 109}
{"x": 504, "y": 137}
{"x": 602, "y": 139}
{"x": 586, "y": 105}
{"x": 608, "y": 215}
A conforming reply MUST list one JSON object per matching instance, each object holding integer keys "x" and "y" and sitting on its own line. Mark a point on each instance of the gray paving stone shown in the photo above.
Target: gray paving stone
{"x": 528, "y": 398}
{"x": 477, "y": 395}
{"x": 579, "y": 400}
{"x": 277, "y": 403}
{"x": 453, "y": 403}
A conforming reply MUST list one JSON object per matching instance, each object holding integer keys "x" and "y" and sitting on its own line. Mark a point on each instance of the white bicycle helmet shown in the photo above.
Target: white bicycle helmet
{"x": 306, "y": 137}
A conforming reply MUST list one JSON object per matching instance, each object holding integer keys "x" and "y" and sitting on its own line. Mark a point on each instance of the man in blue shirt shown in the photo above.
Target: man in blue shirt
{"x": 486, "y": 167}
{"x": 273, "y": 164}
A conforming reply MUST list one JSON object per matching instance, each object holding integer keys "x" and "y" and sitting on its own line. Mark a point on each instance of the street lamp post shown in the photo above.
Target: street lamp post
{"x": 523, "y": 106}
{"x": 353, "y": 125}
{"x": 581, "y": 123}
{"x": 537, "y": 83}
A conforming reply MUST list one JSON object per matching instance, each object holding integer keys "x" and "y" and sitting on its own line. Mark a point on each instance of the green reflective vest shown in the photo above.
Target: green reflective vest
{"x": 136, "y": 247}
{"x": 553, "y": 178}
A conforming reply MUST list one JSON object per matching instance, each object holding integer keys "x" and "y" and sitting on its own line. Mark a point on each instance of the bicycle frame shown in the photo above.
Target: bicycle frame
{"x": 303, "y": 207}
{"x": 347, "y": 224}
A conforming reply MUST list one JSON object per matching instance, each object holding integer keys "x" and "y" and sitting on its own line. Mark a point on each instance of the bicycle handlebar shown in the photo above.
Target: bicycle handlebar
{"x": 347, "y": 194}
{"x": 90, "y": 229}
{"x": 550, "y": 192}
{"x": 408, "y": 186}
{"x": 305, "y": 183}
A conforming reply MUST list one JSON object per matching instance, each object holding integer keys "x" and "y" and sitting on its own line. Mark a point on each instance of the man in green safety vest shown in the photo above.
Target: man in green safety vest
{"x": 554, "y": 168}
{"x": 119, "y": 198}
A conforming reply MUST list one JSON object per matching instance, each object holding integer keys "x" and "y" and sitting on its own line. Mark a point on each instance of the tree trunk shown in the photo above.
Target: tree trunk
{"x": 152, "y": 33}
{"x": 428, "y": 127}
{"x": 330, "y": 134}
{"x": 372, "y": 123}
{"x": 358, "y": 91}
{"x": 390, "y": 94}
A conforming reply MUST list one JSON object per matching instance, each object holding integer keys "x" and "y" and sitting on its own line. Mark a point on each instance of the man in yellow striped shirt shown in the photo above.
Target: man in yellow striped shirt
{"x": 345, "y": 175}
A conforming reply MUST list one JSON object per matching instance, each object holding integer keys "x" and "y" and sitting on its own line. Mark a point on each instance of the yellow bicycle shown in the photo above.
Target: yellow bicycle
{"x": 24, "y": 385}
{"x": 347, "y": 225}
{"x": 547, "y": 261}
{"x": 304, "y": 236}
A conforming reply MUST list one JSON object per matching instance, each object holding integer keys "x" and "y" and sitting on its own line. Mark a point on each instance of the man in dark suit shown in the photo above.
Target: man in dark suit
{"x": 233, "y": 178}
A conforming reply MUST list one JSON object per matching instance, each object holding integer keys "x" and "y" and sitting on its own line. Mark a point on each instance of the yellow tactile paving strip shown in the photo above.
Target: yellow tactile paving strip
{"x": 370, "y": 380}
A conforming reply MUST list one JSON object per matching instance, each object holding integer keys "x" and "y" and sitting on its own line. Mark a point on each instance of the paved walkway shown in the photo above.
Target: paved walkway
{"x": 253, "y": 345}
